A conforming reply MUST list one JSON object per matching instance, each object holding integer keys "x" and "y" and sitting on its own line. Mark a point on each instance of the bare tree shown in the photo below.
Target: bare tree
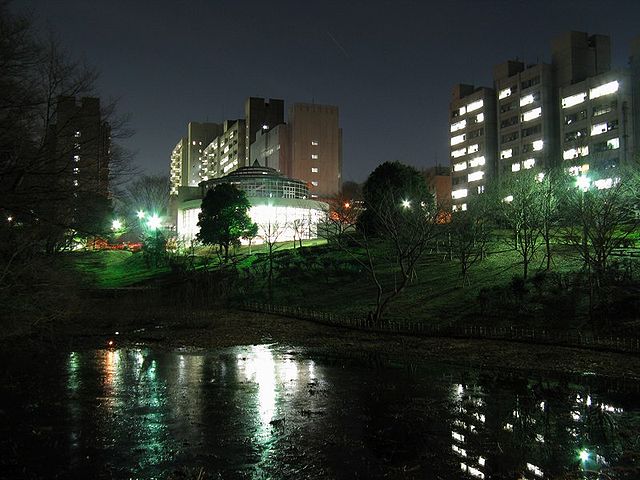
{"x": 270, "y": 232}
{"x": 600, "y": 217}
{"x": 468, "y": 235}
{"x": 521, "y": 211}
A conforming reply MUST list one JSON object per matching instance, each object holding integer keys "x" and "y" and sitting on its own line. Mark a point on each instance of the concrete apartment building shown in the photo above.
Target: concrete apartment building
{"x": 576, "y": 113}
{"x": 260, "y": 115}
{"x": 316, "y": 148}
{"x": 81, "y": 143}
{"x": 526, "y": 100}
{"x": 187, "y": 155}
{"x": 226, "y": 152}
{"x": 472, "y": 141}
{"x": 272, "y": 148}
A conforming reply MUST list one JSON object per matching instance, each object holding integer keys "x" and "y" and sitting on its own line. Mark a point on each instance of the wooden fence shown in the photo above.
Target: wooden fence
{"x": 420, "y": 328}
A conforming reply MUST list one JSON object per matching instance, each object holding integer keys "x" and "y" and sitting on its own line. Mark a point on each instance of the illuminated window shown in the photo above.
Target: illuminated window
{"x": 529, "y": 163}
{"x": 460, "y": 193}
{"x": 314, "y": 156}
{"x": 605, "y": 89}
{"x": 314, "y": 183}
{"x": 475, "y": 105}
{"x": 480, "y": 188}
{"x": 598, "y": 128}
{"x": 475, "y": 176}
{"x": 480, "y": 118}
{"x": 314, "y": 169}
{"x": 613, "y": 143}
{"x": 460, "y": 166}
{"x": 515, "y": 167}
{"x": 604, "y": 183}
{"x": 473, "y": 148}
{"x": 458, "y": 139}
{"x": 77, "y": 134}
{"x": 265, "y": 127}
{"x": 314, "y": 143}
{"x": 75, "y": 183}
{"x": 76, "y": 170}
{"x": 476, "y": 162}
{"x": 574, "y": 99}
{"x": 459, "y": 153}
{"x": 532, "y": 114}
{"x": 575, "y": 152}
{"x": 527, "y": 100}
{"x": 504, "y": 93}
{"x": 538, "y": 145}
{"x": 458, "y": 125}
{"x": 76, "y": 158}
{"x": 506, "y": 153}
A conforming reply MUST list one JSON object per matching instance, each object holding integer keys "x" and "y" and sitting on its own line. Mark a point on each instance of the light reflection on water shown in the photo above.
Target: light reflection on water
{"x": 261, "y": 411}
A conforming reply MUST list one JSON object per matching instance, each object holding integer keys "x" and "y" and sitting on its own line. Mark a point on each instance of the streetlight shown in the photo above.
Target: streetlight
{"x": 116, "y": 224}
{"x": 584, "y": 456}
{"x": 406, "y": 203}
{"x": 154, "y": 222}
{"x": 140, "y": 214}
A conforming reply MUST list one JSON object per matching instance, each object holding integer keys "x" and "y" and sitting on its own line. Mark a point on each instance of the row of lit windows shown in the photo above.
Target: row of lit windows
{"x": 611, "y": 144}
{"x": 466, "y": 150}
{"x": 600, "y": 91}
{"x": 471, "y": 107}
{"x": 533, "y": 146}
{"x": 527, "y": 164}
{"x": 474, "y": 162}
{"x": 479, "y": 118}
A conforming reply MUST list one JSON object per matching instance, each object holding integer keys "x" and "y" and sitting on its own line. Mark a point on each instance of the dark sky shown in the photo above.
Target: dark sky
{"x": 388, "y": 65}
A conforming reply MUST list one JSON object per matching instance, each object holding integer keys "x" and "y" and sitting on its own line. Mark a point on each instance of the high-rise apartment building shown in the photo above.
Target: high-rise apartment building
{"x": 81, "y": 140}
{"x": 261, "y": 115}
{"x": 272, "y": 148}
{"x": 187, "y": 155}
{"x": 226, "y": 152}
{"x": 308, "y": 148}
{"x": 472, "y": 125}
{"x": 316, "y": 148}
{"x": 526, "y": 117}
{"x": 576, "y": 113}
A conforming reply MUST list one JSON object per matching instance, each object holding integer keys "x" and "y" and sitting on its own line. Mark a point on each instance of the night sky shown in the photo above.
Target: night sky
{"x": 389, "y": 66}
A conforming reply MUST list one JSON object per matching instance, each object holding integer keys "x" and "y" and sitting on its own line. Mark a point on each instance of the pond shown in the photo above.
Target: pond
{"x": 265, "y": 411}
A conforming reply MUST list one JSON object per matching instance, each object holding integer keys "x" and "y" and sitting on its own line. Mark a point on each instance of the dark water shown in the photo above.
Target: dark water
{"x": 265, "y": 412}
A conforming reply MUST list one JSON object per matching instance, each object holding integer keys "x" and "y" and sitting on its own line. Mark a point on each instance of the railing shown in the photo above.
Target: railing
{"x": 418, "y": 328}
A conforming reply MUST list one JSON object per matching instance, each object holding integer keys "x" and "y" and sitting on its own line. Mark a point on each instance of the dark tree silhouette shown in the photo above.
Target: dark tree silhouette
{"x": 223, "y": 220}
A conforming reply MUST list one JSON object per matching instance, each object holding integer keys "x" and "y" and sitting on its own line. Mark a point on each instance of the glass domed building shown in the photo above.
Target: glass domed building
{"x": 280, "y": 205}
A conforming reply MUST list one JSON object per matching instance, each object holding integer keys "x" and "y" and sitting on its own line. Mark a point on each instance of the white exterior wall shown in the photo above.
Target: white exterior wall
{"x": 276, "y": 221}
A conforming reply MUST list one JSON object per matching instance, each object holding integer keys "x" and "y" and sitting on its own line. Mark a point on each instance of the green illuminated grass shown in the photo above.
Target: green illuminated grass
{"x": 116, "y": 269}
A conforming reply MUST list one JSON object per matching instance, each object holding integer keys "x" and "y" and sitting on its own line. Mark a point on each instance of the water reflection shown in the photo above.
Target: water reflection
{"x": 267, "y": 412}
{"x": 543, "y": 433}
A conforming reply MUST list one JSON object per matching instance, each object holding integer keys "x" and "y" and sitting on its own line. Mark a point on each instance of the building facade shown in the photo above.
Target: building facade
{"x": 82, "y": 145}
{"x": 575, "y": 113}
{"x": 316, "y": 148}
{"x": 260, "y": 115}
{"x": 280, "y": 206}
{"x": 187, "y": 155}
{"x": 472, "y": 141}
{"x": 225, "y": 153}
{"x": 272, "y": 148}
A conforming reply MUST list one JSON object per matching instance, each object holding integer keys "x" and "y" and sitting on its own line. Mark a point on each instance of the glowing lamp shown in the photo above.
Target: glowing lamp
{"x": 154, "y": 222}
{"x": 406, "y": 203}
{"x": 110, "y": 343}
{"x": 584, "y": 455}
{"x": 583, "y": 182}
{"x": 141, "y": 214}
{"x": 116, "y": 224}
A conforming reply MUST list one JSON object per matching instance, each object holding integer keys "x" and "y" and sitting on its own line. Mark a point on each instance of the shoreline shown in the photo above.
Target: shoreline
{"x": 227, "y": 327}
